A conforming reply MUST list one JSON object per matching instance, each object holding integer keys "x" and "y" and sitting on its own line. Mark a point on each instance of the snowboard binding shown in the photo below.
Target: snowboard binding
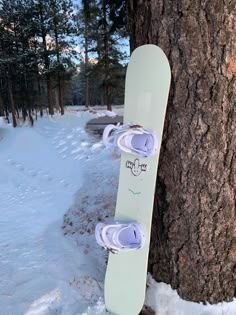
{"x": 130, "y": 138}
{"x": 119, "y": 236}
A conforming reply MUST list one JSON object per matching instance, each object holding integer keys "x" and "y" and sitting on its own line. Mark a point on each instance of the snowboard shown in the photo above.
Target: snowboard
{"x": 146, "y": 94}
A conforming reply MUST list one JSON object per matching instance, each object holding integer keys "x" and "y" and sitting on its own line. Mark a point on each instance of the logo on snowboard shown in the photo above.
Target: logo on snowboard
{"x": 136, "y": 167}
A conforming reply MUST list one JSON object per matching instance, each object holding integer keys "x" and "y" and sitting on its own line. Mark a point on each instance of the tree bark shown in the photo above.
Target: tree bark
{"x": 106, "y": 57}
{"x": 59, "y": 78}
{"x": 49, "y": 93}
{"x": 86, "y": 46}
{"x": 46, "y": 58}
{"x": 100, "y": 74}
{"x": 61, "y": 94}
{"x": 12, "y": 101}
{"x": 193, "y": 244}
{"x": 1, "y": 106}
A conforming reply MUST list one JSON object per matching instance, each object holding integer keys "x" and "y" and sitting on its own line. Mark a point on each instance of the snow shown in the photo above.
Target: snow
{"x": 56, "y": 183}
{"x": 166, "y": 301}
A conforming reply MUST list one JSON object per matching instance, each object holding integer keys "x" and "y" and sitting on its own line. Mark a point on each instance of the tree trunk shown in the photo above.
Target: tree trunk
{"x": 49, "y": 92}
{"x": 46, "y": 57}
{"x": 31, "y": 119}
{"x": 59, "y": 78}
{"x": 193, "y": 244}
{"x": 1, "y": 106}
{"x": 61, "y": 94}
{"x": 86, "y": 62}
{"x": 24, "y": 113}
{"x": 41, "y": 111}
{"x": 106, "y": 57}
{"x": 100, "y": 74}
{"x": 12, "y": 101}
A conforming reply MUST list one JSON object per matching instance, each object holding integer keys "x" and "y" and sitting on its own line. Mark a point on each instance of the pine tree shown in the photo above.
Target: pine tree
{"x": 108, "y": 46}
{"x": 17, "y": 58}
{"x": 43, "y": 31}
{"x": 60, "y": 13}
{"x": 102, "y": 57}
{"x": 87, "y": 23}
{"x": 86, "y": 26}
{"x": 19, "y": 54}
{"x": 35, "y": 45}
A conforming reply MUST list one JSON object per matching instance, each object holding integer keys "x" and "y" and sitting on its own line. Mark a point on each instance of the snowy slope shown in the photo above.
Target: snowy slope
{"x": 56, "y": 183}
{"x": 42, "y": 169}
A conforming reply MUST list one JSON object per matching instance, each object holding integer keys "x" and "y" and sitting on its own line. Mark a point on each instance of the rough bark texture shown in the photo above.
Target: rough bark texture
{"x": 193, "y": 244}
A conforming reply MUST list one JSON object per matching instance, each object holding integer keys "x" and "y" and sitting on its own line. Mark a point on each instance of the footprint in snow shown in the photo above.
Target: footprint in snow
{"x": 61, "y": 143}
{"x": 63, "y": 149}
{"x": 74, "y": 143}
{"x": 90, "y": 288}
{"x": 70, "y": 136}
{"x": 42, "y": 304}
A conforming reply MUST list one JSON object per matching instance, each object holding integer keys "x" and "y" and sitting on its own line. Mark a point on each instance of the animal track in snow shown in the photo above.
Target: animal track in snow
{"x": 37, "y": 174}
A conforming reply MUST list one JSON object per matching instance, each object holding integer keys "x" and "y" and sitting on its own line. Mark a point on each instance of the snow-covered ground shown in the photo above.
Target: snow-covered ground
{"x": 56, "y": 183}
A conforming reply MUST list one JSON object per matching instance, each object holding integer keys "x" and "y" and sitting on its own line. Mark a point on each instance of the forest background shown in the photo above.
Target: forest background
{"x": 59, "y": 52}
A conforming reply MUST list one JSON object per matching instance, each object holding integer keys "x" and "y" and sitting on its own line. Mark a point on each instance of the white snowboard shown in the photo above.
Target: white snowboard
{"x": 146, "y": 93}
